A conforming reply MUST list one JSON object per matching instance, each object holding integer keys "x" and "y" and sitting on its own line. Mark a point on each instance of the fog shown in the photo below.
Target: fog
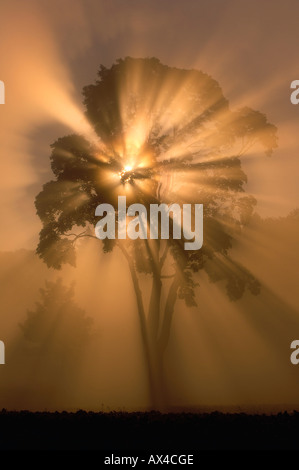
{"x": 221, "y": 355}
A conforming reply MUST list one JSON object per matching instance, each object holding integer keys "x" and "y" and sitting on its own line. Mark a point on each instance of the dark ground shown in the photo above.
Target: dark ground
{"x": 151, "y": 431}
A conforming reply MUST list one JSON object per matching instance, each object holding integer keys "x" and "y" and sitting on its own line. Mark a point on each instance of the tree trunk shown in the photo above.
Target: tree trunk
{"x": 154, "y": 318}
{"x": 143, "y": 327}
{"x": 154, "y": 323}
{"x": 168, "y": 314}
{"x": 155, "y": 330}
{"x": 161, "y": 345}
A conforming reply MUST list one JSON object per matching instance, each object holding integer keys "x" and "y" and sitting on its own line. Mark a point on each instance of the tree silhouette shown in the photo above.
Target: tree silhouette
{"x": 57, "y": 329}
{"x": 164, "y": 135}
{"x": 56, "y": 334}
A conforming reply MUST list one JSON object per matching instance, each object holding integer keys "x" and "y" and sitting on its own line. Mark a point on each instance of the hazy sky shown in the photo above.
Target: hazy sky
{"x": 50, "y": 50}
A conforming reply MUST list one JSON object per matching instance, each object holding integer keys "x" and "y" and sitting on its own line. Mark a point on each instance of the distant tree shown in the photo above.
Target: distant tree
{"x": 165, "y": 135}
{"x": 57, "y": 330}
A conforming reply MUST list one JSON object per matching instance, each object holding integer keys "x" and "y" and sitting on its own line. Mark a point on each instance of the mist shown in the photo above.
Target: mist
{"x": 222, "y": 354}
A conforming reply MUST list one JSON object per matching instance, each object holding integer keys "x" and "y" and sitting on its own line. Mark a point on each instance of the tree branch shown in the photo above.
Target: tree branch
{"x": 80, "y": 235}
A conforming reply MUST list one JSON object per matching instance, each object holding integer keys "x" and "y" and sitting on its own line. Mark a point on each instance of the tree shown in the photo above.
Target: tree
{"x": 164, "y": 135}
{"x": 56, "y": 334}
{"x": 57, "y": 330}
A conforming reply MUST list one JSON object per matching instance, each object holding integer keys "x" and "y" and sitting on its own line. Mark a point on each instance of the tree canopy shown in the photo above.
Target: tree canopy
{"x": 165, "y": 135}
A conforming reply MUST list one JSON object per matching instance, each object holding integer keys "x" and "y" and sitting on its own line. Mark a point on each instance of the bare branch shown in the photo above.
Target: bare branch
{"x": 80, "y": 235}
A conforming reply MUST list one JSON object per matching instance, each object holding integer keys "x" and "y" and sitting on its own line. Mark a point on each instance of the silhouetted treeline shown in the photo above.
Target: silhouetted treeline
{"x": 120, "y": 431}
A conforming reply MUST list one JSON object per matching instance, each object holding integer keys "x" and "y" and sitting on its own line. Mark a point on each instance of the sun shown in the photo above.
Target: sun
{"x": 125, "y": 175}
